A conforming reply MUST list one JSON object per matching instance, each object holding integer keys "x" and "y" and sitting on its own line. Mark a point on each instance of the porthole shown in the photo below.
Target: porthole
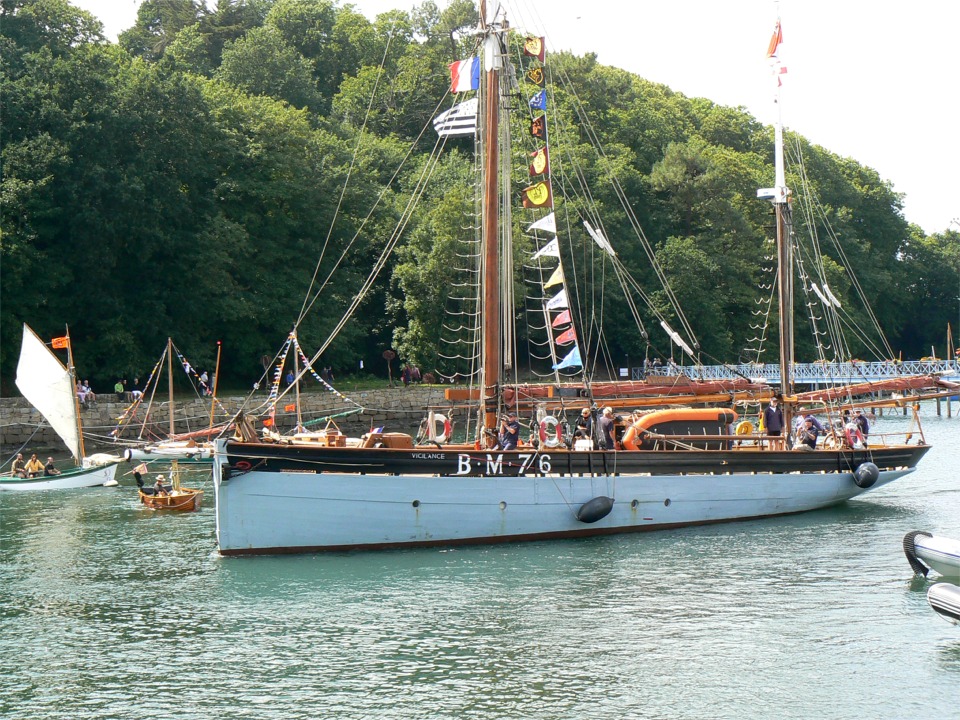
{"x": 416, "y": 503}
{"x": 666, "y": 503}
{"x": 503, "y": 505}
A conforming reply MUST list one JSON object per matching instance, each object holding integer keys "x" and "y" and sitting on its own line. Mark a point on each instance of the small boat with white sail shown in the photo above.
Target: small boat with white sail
{"x": 51, "y": 389}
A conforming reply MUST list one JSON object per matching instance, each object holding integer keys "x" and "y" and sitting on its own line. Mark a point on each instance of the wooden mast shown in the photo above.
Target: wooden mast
{"x": 490, "y": 99}
{"x": 213, "y": 390}
{"x": 76, "y": 399}
{"x": 170, "y": 383}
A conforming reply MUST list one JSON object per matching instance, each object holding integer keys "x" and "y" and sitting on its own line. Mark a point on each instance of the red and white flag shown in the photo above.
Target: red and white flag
{"x": 465, "y": 75}
{"x": 773, "y": 49}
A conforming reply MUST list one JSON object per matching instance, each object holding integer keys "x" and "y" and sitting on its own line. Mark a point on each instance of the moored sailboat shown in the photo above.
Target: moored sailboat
{"x": 278, "y": 494}
{"x": 50, "y": 388}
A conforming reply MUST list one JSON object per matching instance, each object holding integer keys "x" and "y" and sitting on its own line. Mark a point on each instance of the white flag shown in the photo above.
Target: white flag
{"x": 547, "y": 224}
{"x": 558, "y": 301}
{"x": 599, "y": 239}
{"x": 458, "y": 121}
{"x": 551, "y": 249}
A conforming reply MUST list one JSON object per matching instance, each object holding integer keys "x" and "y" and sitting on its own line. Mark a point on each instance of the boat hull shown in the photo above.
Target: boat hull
{"x": 280, "y": 500}
{"x": 67, "y": 480}
{"x": 186, "y": 500}
{"x": 939, "y": 553}
{"x": 944, "y": 598}
{"x": 166, "y": 453}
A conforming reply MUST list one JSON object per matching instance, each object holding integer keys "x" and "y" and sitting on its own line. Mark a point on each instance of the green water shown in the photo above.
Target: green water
{"x": 108, "y": 610}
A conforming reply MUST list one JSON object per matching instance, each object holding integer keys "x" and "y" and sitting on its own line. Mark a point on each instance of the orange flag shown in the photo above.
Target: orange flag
{"x": 290, "y": 408}
{"x": 58, "y": 343}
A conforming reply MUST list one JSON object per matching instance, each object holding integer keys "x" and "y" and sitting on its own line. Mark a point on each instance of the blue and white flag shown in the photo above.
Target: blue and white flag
{"x": 458, "y": 121}
{"x": 558, "y": 301}
{"x": 571, "y": 360}
{"x": 539, "y": 101}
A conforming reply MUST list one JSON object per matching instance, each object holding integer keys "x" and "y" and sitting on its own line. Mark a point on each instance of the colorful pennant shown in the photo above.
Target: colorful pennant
{"x": 534, "y": 47}
{"x": 538, "y": 196}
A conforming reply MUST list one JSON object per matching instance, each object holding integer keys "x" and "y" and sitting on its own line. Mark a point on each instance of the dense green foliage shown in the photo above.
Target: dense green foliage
{"x": 185, "y": 181}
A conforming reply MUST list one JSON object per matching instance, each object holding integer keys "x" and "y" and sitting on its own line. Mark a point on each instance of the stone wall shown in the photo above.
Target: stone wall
{"x": 401, "y": 409}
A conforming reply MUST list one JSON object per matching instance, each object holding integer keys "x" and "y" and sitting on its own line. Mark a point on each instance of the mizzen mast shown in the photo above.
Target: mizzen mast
{"x": 779, "y": 195}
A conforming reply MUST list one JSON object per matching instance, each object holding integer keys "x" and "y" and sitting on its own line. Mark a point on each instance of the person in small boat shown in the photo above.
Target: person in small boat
{"x": 509, "y": 431}
{"x": 18, "y": 469}
{"x": 607, "y": 424}
{"x": 34, "y": 467}
{"x": 159, "y": 489}
{"x": 773, "y": 422}
{"x": 50, "y": 469}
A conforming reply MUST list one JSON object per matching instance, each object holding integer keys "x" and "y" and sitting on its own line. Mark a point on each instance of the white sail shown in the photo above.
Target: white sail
{"x": 47, "y": 384}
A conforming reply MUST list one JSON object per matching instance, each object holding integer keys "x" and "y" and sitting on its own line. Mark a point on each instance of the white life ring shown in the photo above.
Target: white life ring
{"x": 550, "y": 433}
{"x": 446, "y": 428}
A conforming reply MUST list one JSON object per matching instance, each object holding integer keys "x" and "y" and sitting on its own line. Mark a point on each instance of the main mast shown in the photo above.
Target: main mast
{"x": 491, "y": 354}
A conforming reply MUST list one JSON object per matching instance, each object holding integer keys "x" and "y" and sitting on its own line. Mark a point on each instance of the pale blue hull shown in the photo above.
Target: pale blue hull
{"x": 299, "y": 512}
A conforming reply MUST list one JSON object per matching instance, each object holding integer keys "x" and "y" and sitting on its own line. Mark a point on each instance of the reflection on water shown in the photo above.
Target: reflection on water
{"x": 109, "y": 610}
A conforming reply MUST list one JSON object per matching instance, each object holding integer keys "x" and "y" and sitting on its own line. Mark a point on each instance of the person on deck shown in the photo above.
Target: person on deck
{"x": 807, "y": 435}
{"x": 50, "y": 469}
{"x": 584, "y": 426}
{"x": 159, "y": 488}
{"x": 18, "y": 469}
{"x": 607, "y": 425}
{"x": 773, "y": 422}
{"x": 509, "y": 432}
{"x": 861, "y": 420}
{"x": 34, "y": 467}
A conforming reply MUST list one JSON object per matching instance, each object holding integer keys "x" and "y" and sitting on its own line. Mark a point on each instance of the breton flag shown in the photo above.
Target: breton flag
{"x": 571, "y": 360}
{"x": 561, "y": 319}
{"x": 547, "y": 224}
{"x": 458, "y": 121}
{"x": 554, "y": 279}
{"x": 551, "y": 249}
{"x": 566, "y": 337}
{"x": 465, "y": 75}
{"x": 558, "y": 301}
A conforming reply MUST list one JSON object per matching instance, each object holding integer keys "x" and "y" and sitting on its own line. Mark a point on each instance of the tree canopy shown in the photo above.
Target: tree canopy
{"x": 203, "y": 176}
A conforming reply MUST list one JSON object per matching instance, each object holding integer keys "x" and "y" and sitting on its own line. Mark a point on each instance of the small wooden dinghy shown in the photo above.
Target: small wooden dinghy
{"x": 173, "y": 497}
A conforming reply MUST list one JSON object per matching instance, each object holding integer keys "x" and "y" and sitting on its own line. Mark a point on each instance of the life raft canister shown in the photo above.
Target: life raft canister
{"x": 634, "y": 434}
{"x": 550, "y": 433}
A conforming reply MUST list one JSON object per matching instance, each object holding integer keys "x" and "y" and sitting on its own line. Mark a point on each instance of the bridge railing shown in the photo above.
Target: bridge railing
{"x": 813, "y": 373}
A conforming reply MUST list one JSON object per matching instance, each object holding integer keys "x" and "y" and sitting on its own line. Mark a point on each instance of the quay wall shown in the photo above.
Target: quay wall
{"x": 401, "y": 409}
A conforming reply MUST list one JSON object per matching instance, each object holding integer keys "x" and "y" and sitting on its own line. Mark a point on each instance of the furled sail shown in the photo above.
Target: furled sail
{"x": 47, "y": 384}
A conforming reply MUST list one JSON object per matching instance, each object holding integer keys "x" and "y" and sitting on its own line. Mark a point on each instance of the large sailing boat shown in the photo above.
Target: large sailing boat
{"x": 51, "y": 388}
{"x": 668, "y": 468}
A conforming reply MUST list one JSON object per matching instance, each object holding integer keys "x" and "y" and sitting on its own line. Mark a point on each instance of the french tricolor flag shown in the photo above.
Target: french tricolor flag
{"x": 465, "y": 75}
